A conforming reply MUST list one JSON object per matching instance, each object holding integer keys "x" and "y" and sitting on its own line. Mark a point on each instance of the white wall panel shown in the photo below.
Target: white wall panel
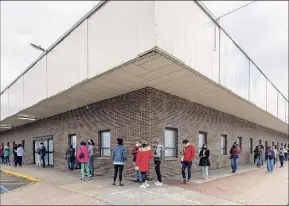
{"x": 118, "y": 32}
{"x": 281, "y": 107}
{"x": 4, "y": 105}
{"x": 271, "y": 99}
{"x": 35, "y": 88}
{"x": 186, "y": 32}
{"x": 257, "y": 87}
{"x": 67, "y": 62}
{"x": 16, "y": 97}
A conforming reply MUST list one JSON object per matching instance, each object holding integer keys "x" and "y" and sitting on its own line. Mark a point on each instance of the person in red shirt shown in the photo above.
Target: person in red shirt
{"x": 142, "y": 162}
{"x": 188, "y": 155}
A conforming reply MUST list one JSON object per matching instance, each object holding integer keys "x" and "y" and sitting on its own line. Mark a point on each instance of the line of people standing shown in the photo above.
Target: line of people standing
{"x": 17, "y": 152}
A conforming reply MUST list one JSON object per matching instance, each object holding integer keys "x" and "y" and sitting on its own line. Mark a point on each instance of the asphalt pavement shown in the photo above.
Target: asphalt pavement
{"x": 9, "y": 183}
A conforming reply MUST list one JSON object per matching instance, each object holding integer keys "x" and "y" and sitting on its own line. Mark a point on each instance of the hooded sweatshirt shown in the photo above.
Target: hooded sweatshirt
{"x": 6, "y": 152}
{"x": 158, "y": 153}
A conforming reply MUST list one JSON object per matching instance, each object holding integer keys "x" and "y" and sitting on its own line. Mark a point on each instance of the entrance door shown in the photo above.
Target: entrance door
{"x": 48, "y": 143}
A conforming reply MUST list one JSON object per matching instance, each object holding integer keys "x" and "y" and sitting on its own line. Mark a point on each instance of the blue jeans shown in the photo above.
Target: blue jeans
{"x": 91, "y": 166}
{"x": 137, "y": 173}
{"x": 259, "y": 160}
{"x": 6, "y": 159}
{"x": 234, "y": 164}
{"x": 281, "y": 158}
{"x": 270, "y": 165}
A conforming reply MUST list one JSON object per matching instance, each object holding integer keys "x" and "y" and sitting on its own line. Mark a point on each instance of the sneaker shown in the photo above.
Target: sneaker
{"x": 184, "y": 181}
{"x": 137, "y": 180}
{"x": 188, "y": 181}
{"x": 159, "y": 184}
{"x": 113, "y": 183}
{"x": 146, "y": 183}
{"x": 120, "y": 184}
{"x": 89, "y": 177}
{"x": 82, "y": 179}
{"x": 143, "y": 185}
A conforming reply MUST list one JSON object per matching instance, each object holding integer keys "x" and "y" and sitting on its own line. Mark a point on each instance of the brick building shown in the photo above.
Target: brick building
{"x": 121, "y": 72}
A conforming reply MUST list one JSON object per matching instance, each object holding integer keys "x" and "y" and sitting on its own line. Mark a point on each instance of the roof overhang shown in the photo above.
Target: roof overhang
{"x": 158, "y": 70}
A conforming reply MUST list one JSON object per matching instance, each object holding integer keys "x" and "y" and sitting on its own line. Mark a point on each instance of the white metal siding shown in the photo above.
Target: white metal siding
{"x": 67, "y": 62}
{"x": 35, "y": 88}
{"x": 16, "y": 97}
{"x": 186, "y": 32}
{"x": 4, "y": 104}
{"x": 118, "y": 32}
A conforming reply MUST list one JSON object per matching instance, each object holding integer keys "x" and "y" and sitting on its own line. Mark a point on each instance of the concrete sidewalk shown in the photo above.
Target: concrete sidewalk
{"x": 64, "y": 184}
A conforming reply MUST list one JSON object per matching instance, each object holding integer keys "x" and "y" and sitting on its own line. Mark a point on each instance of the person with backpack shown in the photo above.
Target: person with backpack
{"x": 119, "y": 157}
{"x": 134, "y": 157}
{"x": 269, "y": 156}
{"x": 234, "y": 156}
{"x": 42, "y": 152}
{"x": 205, "y": 161}
{"x": 188, "y": 155}
{"x": 281, "y": 156}
{"x": 70, "y": 157}
{"x": 157, "y": 162}
{"x": 82, "y": 157}
{"x": 142, "y": 162}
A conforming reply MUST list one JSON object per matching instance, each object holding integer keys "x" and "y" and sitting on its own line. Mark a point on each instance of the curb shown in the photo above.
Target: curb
{"x": 20, "y": 175}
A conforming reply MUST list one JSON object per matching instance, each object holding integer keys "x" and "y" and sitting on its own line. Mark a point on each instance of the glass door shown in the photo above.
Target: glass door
{"x": 48, "y": 144}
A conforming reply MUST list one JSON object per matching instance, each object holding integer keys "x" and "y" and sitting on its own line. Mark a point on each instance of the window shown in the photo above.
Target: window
{"x": 23, "y": 144}
{"x": 239, "y": 141}
{"x": 8, "y": 144}
{"x": 171, "y": 136}
{"x": 223, "y": 144}
{"x": 260, "y": 142}
{"x": 266, "y": 144}
{"x": 251, "y": 145}
{"x": 72, "y": 140}
{"x": 202, "y": 139}
{"x": 104, "y": 143}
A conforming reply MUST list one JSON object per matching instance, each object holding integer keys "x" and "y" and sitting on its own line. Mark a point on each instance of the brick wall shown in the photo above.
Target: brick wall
{"x": 143, "y": 115}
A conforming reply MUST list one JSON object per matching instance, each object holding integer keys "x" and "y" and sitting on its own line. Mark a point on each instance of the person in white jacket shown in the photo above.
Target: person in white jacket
{"x": 20, "y": 153}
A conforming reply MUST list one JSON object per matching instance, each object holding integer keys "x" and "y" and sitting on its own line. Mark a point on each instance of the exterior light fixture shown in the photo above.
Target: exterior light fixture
{"x": 26, "y": 117}
{"x": 5, "y": 126}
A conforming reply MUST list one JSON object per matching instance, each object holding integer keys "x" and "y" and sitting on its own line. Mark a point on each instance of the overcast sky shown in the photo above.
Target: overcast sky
{"x": 261, "y": 29}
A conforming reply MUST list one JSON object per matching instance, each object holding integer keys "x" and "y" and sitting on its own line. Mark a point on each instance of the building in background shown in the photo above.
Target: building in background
{"x": 143, "y": 70}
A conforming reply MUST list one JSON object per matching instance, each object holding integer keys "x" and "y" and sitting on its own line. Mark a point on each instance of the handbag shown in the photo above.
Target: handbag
{"x": 81, "y": 155}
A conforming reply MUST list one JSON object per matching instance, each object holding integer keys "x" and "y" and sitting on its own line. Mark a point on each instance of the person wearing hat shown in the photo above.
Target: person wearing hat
{"x": 7, "y": 155}
{"x": 82, "y": 157}
{"x": 119, "y": 157}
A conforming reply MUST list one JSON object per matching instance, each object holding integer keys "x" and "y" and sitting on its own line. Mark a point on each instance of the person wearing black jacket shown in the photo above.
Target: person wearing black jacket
{"x": 70, "y": 157}
{"x": 15, "y": 154}
{"x": 205, "y": 160}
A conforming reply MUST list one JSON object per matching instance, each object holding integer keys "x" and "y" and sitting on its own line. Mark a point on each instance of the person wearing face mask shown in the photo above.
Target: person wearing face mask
{"x": 134, "y": 153}
{"x": 157, "y": 161}
{"x": 91, "y": 157}
{"x": 205, "y": 161}
{"x": 234, "y": 156}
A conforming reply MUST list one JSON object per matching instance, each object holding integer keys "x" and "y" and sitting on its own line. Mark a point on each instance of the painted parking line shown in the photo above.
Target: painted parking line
{"x": 4, "y": 188}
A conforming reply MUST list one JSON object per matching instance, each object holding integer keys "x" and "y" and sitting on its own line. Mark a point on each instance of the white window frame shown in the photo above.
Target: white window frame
{"x": 170, "y": 147}
{"x": 204, "y": 141}
{"x": 106, "y": 147}
{"x": 224, "y": 144}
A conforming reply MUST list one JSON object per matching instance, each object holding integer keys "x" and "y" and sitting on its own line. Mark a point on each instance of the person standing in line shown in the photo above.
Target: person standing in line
{"x": 82, "y": 157}
{"x": 119, "y": 157}
{"x": 276, "y": 154}
{"x": 20, "y": 153}
{"x": 70, "y": 157}
{"x": 42, "y": 154}
{"x": 269, "y": 156}
{"x": 281, "y": 156}
{"x": 285, "y": 152}
{"x": 188, "y": 155}
{"x": 2, "y": 154}
{"x": 205, "y": 161}
{"x": 15, "y": 154}
{"x": 91, "y": 156}
{"x": 262, "y": 154}
{"x": 38, "y": 163}
{"x": 157, "y": 162}
{"x": 134, "y": 153}
{"x": 7, "y": 155}
{"x": 258, "y": 152}
{"x": 234, "y": 156}
{"x": 142, "y": 162}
